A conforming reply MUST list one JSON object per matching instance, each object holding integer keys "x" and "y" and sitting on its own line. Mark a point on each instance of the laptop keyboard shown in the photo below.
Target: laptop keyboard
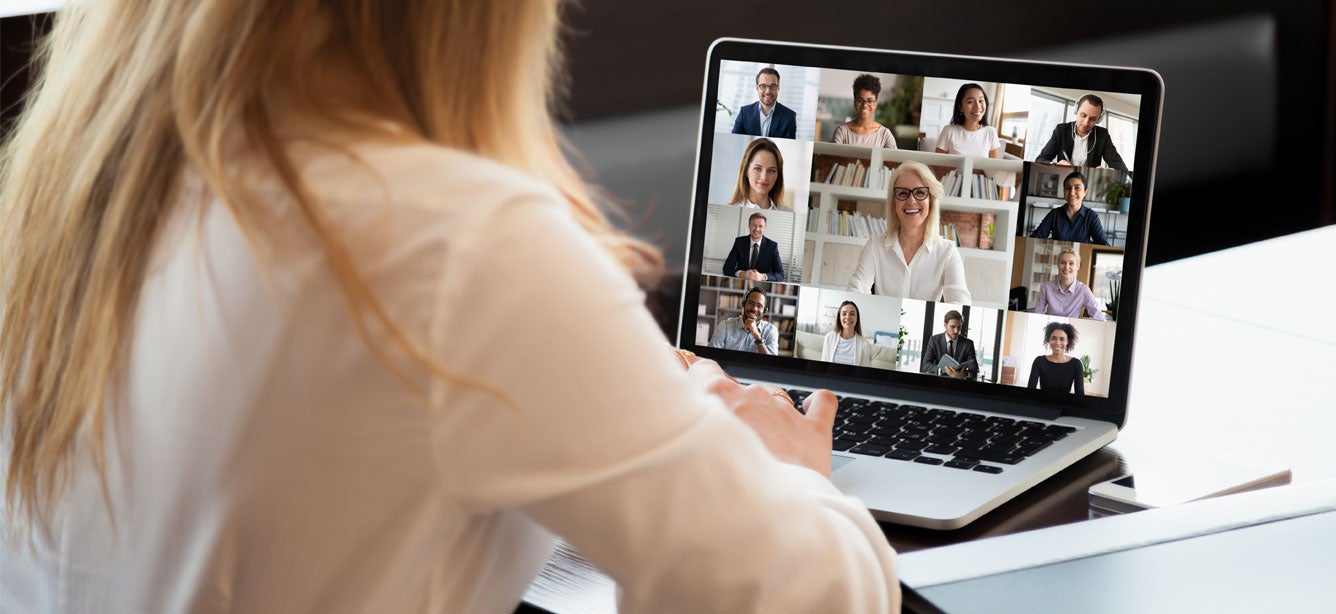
{"x": 959, "y": 440}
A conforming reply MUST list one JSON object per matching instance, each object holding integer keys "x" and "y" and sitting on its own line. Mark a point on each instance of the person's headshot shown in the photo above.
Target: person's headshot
{"x": 864, "y": 129}
{"x": 1064, "y": 295}
{"x": 748, "y": 332}
{"x": 754, "y": 256}
{"x": 968, "y": 133}
{"x": 1057, "y": 369}
{"x": 963, "y": 362}
{"x": 767, "y": 116}
{"x": 761, "y": 177}
{"x": 1082, "y": 142}
{"x": 846, "y": 343}
{"x": 911, "y": 260}
{"x": 1074, "y": 221}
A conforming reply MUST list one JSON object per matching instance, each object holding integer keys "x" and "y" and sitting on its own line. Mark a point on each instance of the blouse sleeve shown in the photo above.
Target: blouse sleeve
{"x": 841, "y": 134}
{"x": 601, "y": 438}
{"x": 888, "y": 138}
{"x": 1078, "y": 375}
{"x": 865, "y": 273}
{"x": 953, "y": 277}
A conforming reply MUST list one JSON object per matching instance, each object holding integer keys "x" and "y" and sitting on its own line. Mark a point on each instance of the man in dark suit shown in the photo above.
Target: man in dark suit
{"x": 1081, "y": 142}
{"x": 950, "y": 343}
{"x": 754, "y": 256}
{"x": 766, "y": 117}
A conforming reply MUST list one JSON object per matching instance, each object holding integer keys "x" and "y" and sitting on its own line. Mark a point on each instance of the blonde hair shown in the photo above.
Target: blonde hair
{"x": 135, "y": 94}
{"x": 1069, "y": 250}
{"x": 932, "y": 229}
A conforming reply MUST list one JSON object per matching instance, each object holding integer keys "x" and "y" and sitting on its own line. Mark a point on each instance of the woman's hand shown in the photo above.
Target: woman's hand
{"x": 793, "y": 437}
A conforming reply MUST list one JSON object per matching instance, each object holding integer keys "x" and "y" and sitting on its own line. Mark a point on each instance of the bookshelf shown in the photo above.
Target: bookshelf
{"x": 834, "y": 240}
{"x": 721, "y": 298}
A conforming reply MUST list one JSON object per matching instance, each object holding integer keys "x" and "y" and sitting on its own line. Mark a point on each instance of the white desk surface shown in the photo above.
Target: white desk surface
{"x": 1250, "y": 334}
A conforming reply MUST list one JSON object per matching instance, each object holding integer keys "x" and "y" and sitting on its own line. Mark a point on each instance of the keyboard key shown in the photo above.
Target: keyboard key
{"x": 903, "y": 454}
{"x": 987, "y": 469}
{"x": 928, "y": 460}
{"x": 992, "y": 457}
{"x": 911, "y": 444}
{"x": 944, "y": 450}
{"x": 885, "y": 441}
{"x": 870, "y": 449}
{"x": 1030, "y": 448}
{"x": 961, "y": 464}
{"x": 840, "y": 445}
{"x": 855, "y": 436}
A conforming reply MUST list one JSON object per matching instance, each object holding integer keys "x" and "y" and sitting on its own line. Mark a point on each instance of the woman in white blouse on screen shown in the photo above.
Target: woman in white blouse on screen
{"x": 912, "y": 260}
{"x": 968, "y": 133}
{"x": 846, "y": 344}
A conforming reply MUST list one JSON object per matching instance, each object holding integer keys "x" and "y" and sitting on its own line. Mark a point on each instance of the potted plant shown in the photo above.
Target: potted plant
{"x": 986, "y": 240}
{"x": 1119, "y": 193}
{"x": 1085, "y": 368}
{"x": 1115, "y": 292}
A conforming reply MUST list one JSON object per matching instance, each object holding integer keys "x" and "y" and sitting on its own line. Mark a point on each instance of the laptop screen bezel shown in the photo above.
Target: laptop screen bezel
{"x": 877, "y": 382}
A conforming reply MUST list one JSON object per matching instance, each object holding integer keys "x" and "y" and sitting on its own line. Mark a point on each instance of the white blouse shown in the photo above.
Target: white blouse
{"x": 935, "y": 271}
{"x": 262, "y": 459}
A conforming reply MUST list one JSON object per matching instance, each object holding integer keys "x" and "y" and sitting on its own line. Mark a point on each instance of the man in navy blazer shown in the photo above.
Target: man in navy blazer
{"x": 759, "y": 264}
{"x": 1095, "y": 148}
{"x": 766, "y": 117}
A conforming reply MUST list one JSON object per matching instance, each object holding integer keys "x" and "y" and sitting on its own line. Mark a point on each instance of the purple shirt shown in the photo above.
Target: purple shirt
{"x": 1054, "y": 301}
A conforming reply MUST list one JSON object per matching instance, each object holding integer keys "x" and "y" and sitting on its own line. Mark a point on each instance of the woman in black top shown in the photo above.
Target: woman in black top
{"x": 1057, "y": 370}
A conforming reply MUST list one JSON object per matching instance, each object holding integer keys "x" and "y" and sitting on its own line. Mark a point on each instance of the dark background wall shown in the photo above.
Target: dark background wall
{"x": 1239, "y": 76}
{"x": 1250, "y": 110}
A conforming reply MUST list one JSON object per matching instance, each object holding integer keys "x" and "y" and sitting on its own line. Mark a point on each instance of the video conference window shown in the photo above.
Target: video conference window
{"x": 1065, "y": 278}
{"x": 950, "y": 340}
{"x": 1081, "y": 128}
{"x": 849, "y": 328}
{"x": 745, "y": 316}
{"x": 868, "y": 109}
{"x": 878, "y": 220}
{"x": 767, "y": 100}
{"x": 1081, "y": 204}
{"x": 1057, "y": 354}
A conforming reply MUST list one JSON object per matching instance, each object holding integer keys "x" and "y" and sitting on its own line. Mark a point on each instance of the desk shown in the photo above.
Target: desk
{"x": 1223, "y": 338}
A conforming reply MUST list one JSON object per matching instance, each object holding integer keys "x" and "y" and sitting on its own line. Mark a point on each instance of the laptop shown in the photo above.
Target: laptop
{"x": 982, "y": 360}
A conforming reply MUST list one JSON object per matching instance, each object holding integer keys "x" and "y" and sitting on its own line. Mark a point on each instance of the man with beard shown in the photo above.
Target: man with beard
{"x": 748, "y": 332}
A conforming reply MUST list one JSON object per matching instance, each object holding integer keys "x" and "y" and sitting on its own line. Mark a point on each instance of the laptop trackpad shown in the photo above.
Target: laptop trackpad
{"x": 837, "y": 461}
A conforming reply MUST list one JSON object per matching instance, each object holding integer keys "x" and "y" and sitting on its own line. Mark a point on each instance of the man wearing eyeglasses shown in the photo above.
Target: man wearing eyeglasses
{"x": 767, "y": 117}
{"x": 1082, "y": 142}
{"x": 748, "y": 332}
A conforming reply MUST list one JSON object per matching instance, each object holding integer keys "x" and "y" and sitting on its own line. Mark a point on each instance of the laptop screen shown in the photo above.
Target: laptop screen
{"x": 912, "y": 221}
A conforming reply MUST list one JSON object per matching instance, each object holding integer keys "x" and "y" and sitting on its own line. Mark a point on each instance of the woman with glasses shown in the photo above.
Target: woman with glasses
{"x": 968, "y": 133}
{"x": 761, "y": 177}
{"x": 912, "y": 260}
{"x": 1075, "y": 221}
{"x": 864, "y": 129}
{"x": 243, "y": 368}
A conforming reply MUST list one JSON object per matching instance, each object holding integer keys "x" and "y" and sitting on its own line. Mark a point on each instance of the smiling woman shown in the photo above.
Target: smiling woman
{"x": 761, "y": 177}
{"x": 911, "y": 259}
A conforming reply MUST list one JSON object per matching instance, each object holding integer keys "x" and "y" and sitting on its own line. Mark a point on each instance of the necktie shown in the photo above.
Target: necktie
{"x": 951, "y": 348}
{"x": 755, "y": 250}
